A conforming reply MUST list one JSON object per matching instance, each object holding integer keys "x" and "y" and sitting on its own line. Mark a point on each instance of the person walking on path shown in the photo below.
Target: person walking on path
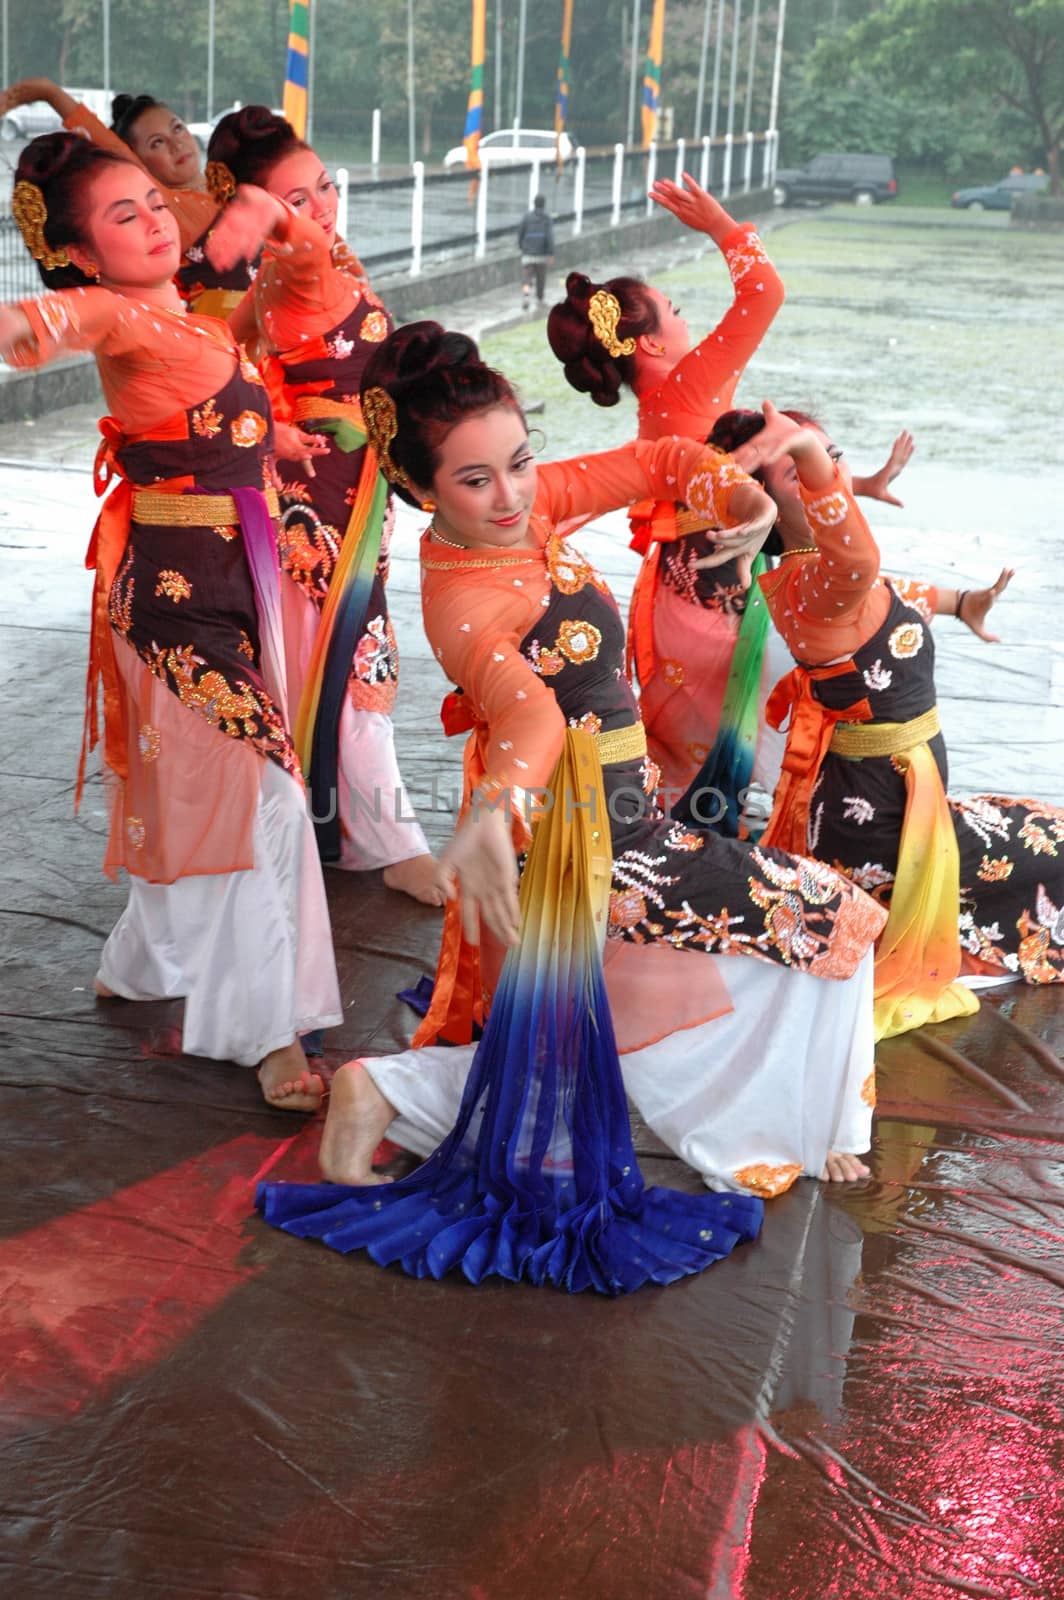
{"x": 535, "y": 239}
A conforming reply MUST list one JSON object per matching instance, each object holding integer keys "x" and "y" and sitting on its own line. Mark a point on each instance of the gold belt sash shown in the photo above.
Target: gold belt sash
{"x": 622, "y": 744}
{"x": 310, "y": 406}
{"x": 217, "y": 302}
{"x": 688, "y": 521}
{"x": 856, "y": 740}
{"x": 192, "y": 510}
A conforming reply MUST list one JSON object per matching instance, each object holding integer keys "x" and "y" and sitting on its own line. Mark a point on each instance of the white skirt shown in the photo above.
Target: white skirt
{"x": 377, "y": 823}
{"x": 250, "y": 952}
{"x": 776, "y": 1083}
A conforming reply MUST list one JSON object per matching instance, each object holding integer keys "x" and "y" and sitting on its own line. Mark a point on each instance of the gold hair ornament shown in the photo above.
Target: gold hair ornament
{"x": 31, "y": 214}
{"x": 604, "y": 313}
{"x": 378, "y": 414}
{"x": 221, "y": 185}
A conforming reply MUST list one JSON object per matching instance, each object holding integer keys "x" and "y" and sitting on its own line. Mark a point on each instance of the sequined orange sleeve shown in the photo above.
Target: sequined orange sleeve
{"x": 475, "y": 621}
{"x": 194, "y": 209}
{"x": 702, "y": 386}
{"x": 827, "y": 605}
{"x": 300, "y": 291}
{"x": 571, "y": 492}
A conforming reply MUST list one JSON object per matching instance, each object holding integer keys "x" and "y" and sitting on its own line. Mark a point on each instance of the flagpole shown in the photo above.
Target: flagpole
{"x": 312, "y": 12}
{"x": 210, "y": 60}
{"x": 748, "y": 113}
{"x": 519, "y": 98}
{"x": 411, "y": 119}
{"x": 701, "y": 101}
{"x": 498, "y": 63}
{"x": 634, "y": 79}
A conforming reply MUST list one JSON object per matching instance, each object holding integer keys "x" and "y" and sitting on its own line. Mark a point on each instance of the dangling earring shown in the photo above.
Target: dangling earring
{"x": 428, "y": 505}
{"x": 91, "y": 270}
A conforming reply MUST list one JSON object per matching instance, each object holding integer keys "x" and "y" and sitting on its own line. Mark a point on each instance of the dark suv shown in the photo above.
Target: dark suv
{"x": 866, "y": 179}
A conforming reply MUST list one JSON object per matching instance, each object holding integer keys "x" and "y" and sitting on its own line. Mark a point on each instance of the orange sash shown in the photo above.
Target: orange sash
{"x": 808, "y": 737}
{"x": 653, "y": 523}
{"x": 107, "y": 548}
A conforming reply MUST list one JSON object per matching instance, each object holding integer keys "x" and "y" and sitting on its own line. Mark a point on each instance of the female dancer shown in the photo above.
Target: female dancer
{"x": 696, "y": 648}
{"x": 160, "y": 142}
{"x": 226, "y": 904}
{"x": 707, "y": 936}
{"x": 322, "y": 323}
{"x": 974, "y": 886}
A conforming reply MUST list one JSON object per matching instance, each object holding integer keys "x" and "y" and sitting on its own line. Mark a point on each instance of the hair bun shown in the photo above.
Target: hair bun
{"x": 119, "y": 106}
{"x": 45, "y": 157}
{"x": 251, "y": 141}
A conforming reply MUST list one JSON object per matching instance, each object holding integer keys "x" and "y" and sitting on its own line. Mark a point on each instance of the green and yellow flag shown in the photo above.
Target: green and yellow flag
{"x": 652, "y": 74}
{"x": 474, "y": 122}
{"x": 561, "y": 101}
{"x": 295, "y": 78}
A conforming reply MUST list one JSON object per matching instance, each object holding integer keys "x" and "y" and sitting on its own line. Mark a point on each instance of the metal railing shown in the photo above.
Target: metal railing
{"x": 402, "y": 223}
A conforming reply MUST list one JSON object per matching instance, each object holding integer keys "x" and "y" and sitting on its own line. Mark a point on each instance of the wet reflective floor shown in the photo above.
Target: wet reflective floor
{"x": 863, "y": 1405}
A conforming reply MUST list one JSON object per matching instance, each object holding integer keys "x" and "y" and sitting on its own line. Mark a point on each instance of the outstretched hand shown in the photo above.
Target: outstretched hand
{"x": 975, "y": 603}
{"x": 479, "y": 863}
{"x": 242, "y": 226}
{"x": 877, "y": 487}
{"x": 742, "y": 542}
{"x": 693, "y": 206}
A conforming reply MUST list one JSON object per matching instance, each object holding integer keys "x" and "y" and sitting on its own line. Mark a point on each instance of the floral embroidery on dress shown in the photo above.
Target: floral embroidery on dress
{"x": 194, "y": 253}
{"x": 1040, "y": 963}
{"x": 708, "y": 490}
{"x": 917, "y": 595}
{"x": 174, "y": 585}
{"x": 992, "y": 871}
{"x": 855, "y": 808}
{"x": 237, "y": 709}
{"x": 308, "y": 549}
{"x": 868, "y": 1090}
{"x": 877, "y": 676}
{"x": 650, "y": 777}
{"x": 1043, "y": 841}
{"x": 149, "y": 741}
{"x": 906, "y": 640}
{"x": 588, "y": 722}
{"x": 678, "y": 838}
{"x": 374, "y": 328}
{"x": 746, "y": 256}
{"x": 872, "y": 876}
{"x": 578, "y": 641}
{"x": 568, "y": 570}
{"x": 338, "y": 347}
{"x": 829, "y": 510}
{"x": 226, "y": 533}
{"x": 627, "y": 910}
{"x": 248, "y": 370}
{"x": 986, "y": 821}
{"x": 120, "y": 600}
{"x": 375, "y": 655}
{"x": 248, "y": 429}
{"x": 545, "y": 662}
{"x": 136, "y": 832}
{"x": 673, "y": 673}
{"x": 767, "y": 1181}
{"x": 207, "y": 420}
{"x": 245, "y": 646}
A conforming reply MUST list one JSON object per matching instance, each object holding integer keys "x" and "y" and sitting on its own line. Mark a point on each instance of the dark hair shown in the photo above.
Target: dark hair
{"x": 732, "y": 429}
{"x": 540, "y": 202}
{"x": 251, "y": 141}
{"x": 62, "y": 166}
{"x": 588, "y": 365}
{"x": 126, "y": 109}
{"x": 436, "y": 380}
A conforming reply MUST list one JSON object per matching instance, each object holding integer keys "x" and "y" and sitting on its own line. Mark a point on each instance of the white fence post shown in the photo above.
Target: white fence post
{"x": 681, "y": 157}
{"x": 766, "y": 160}
{"x": 652, "y": 173}
{"x": 482, "y": 215}
{"x": 375, "y": 145}
{"x": 578, "y": 192}
{"x": 417, "y": 218}
{"x": 725, "y": 182}
{"x": 703, "y": 170}
{"x": 748, "y": 164}
{"x": 533, "y": 182}
{"x": 618, "y": 179}
{"x": 343, "y": 181}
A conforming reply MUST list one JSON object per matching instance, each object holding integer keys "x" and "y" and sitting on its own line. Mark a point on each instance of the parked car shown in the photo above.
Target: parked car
{"x": 26, "y": 122}
{"x": 999, "y": 196}
{"x": 513, "y": 147}
{"x": 867, "y": 179}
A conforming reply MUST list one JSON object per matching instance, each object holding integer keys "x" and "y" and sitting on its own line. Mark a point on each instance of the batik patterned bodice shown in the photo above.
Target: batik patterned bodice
{"x": 221, "y": 444}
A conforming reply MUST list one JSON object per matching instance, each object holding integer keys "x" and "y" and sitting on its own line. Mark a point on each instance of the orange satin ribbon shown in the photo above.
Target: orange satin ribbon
{"x": 808, "y": 737}
{"x": 107, "y": 547}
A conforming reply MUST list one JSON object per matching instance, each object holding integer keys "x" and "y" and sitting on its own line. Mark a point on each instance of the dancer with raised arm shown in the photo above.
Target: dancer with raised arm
{"x": 226, "y": 905}
{"x": 321, "y": 322}
{"x": 708, "y": 937}
{"x": 975, "y": 887}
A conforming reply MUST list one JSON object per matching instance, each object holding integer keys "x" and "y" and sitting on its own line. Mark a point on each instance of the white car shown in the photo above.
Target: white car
{"x": 26, "y": 122}
{"x": 514, "y": 147}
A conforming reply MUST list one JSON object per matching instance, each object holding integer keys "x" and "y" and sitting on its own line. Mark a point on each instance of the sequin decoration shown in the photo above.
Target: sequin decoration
{"x": 206, "y": 421}
{"x": 149, "y": 741}
{"x": 766, "y": 1180}
{"x": 373, "y": 328}
{"x": 578, "y": 641}
{"x": 136, "y": 832}
{"x": 868, "y": 1090}
{"x": 174, "y": 585}
{"x": 226, "y": 533}
{"x": 906, "y": 641}
{"x": 248, "y": 430}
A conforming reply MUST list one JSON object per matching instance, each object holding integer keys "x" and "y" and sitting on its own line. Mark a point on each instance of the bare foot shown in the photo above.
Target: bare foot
{"x": 100, "y": 988}
{"x": 840, "y": 1168}
{"x": 417, "y": 878}
{"x": 358, "y": 1117}
{"x": 286, "y": 1082}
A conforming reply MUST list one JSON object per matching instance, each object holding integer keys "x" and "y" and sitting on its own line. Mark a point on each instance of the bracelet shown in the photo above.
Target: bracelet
{"x": 960, "y": 603}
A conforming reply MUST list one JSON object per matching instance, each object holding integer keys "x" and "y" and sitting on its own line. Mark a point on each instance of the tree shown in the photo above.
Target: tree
{"x": 1004, "y": 55}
